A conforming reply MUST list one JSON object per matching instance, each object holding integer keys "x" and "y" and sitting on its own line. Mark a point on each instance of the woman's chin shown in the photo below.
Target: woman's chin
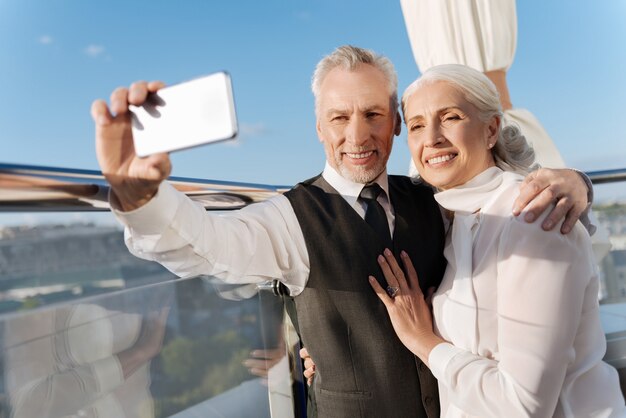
{"x": 438, "y": 182}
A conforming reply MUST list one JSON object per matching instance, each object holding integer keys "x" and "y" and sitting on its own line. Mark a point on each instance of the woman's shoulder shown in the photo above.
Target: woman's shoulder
{"x": 502, "y": 198}
{"x": 501, "y": 206}
{"x": 518, "y": 232}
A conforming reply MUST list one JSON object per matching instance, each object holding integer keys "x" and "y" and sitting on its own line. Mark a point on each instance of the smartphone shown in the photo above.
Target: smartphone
{"x": 185, "y": 115}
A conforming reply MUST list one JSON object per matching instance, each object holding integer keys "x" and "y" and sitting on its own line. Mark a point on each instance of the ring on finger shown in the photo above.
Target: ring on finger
{"x": 392, "y": 291}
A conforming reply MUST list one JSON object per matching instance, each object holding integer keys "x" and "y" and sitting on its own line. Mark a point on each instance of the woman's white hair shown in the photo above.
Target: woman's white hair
{"x": 511, "y": 151}
{"x": 349, "y": 57}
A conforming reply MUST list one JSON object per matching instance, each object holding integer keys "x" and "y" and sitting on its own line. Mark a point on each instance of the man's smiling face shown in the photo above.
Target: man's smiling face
{"x": 356, "y": 122}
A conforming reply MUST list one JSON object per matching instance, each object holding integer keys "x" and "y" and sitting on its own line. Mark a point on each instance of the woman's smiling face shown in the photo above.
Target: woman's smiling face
{"x": 449, "y": 143}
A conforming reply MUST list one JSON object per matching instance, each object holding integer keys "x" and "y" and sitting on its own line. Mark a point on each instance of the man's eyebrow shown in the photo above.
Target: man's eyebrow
{"x": 378, "y": 108}
{"x": 366, "y": 109}
{"x": 336, "y": 110}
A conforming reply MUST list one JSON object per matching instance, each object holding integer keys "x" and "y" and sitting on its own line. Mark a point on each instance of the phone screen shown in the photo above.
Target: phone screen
{"x": 185, "y": 115}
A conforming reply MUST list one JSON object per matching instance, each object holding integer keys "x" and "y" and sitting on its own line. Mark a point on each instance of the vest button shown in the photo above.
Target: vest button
{"x": 428, "y": 400}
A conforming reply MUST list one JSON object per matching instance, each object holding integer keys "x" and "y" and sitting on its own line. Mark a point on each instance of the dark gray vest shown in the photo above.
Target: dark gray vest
{"x": 363, "y": 370}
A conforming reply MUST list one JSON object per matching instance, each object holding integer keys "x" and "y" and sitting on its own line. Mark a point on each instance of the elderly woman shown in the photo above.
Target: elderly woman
{"x": 516, "y": 321}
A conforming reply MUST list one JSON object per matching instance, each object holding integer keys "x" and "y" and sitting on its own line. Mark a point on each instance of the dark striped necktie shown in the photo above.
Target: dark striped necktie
{"x": 375, "y": 215}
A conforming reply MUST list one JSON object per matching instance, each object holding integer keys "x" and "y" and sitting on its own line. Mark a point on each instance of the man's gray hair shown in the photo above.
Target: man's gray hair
{"x": 349, "y": 57}
{"x": 511, "y": 152}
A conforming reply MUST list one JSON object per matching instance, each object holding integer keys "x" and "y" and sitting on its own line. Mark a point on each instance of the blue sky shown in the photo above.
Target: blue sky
{"x": 57, "y": 56}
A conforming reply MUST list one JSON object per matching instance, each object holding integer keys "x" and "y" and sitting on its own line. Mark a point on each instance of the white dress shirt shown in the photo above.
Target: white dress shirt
{"x": 519, "y": 307}
{"x": 260, "y": 242}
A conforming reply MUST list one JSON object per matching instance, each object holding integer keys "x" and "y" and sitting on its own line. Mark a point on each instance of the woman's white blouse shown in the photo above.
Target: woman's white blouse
{"x": 519, "y": 307}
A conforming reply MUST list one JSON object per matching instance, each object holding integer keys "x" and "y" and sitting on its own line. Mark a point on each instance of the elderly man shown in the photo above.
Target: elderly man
{"x": 320, "y": 239}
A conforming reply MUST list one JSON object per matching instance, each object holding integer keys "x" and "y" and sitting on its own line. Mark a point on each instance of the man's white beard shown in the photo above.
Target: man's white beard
{"x": 362, "y": 176}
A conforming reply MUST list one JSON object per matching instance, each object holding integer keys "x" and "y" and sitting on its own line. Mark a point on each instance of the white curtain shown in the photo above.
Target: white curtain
{"x": 481, "y": 34}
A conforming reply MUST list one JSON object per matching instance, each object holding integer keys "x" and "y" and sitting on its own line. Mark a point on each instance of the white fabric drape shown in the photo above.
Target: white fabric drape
{"x": 481, "y": 34}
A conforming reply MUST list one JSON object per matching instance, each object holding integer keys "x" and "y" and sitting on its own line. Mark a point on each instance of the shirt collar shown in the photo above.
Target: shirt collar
{"x": 349, "y": 189}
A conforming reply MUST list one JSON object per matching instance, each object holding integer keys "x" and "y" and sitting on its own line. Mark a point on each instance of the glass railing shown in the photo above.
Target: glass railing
{"x": 89, "y": 330}
{"x": 611, "y": 216}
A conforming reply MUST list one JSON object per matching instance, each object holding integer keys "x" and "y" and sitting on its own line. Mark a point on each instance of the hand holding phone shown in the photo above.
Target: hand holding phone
{"x": 185, "y": 115}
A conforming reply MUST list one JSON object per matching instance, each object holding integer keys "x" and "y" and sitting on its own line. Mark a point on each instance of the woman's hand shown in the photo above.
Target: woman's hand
{"x": 408, "y": 310}
{"x": 309, "y": 366}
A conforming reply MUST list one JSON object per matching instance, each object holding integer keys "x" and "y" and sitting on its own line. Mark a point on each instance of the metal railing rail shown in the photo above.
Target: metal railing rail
{"x": 607, "y": 176}
{"x": 41, "y": 188}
